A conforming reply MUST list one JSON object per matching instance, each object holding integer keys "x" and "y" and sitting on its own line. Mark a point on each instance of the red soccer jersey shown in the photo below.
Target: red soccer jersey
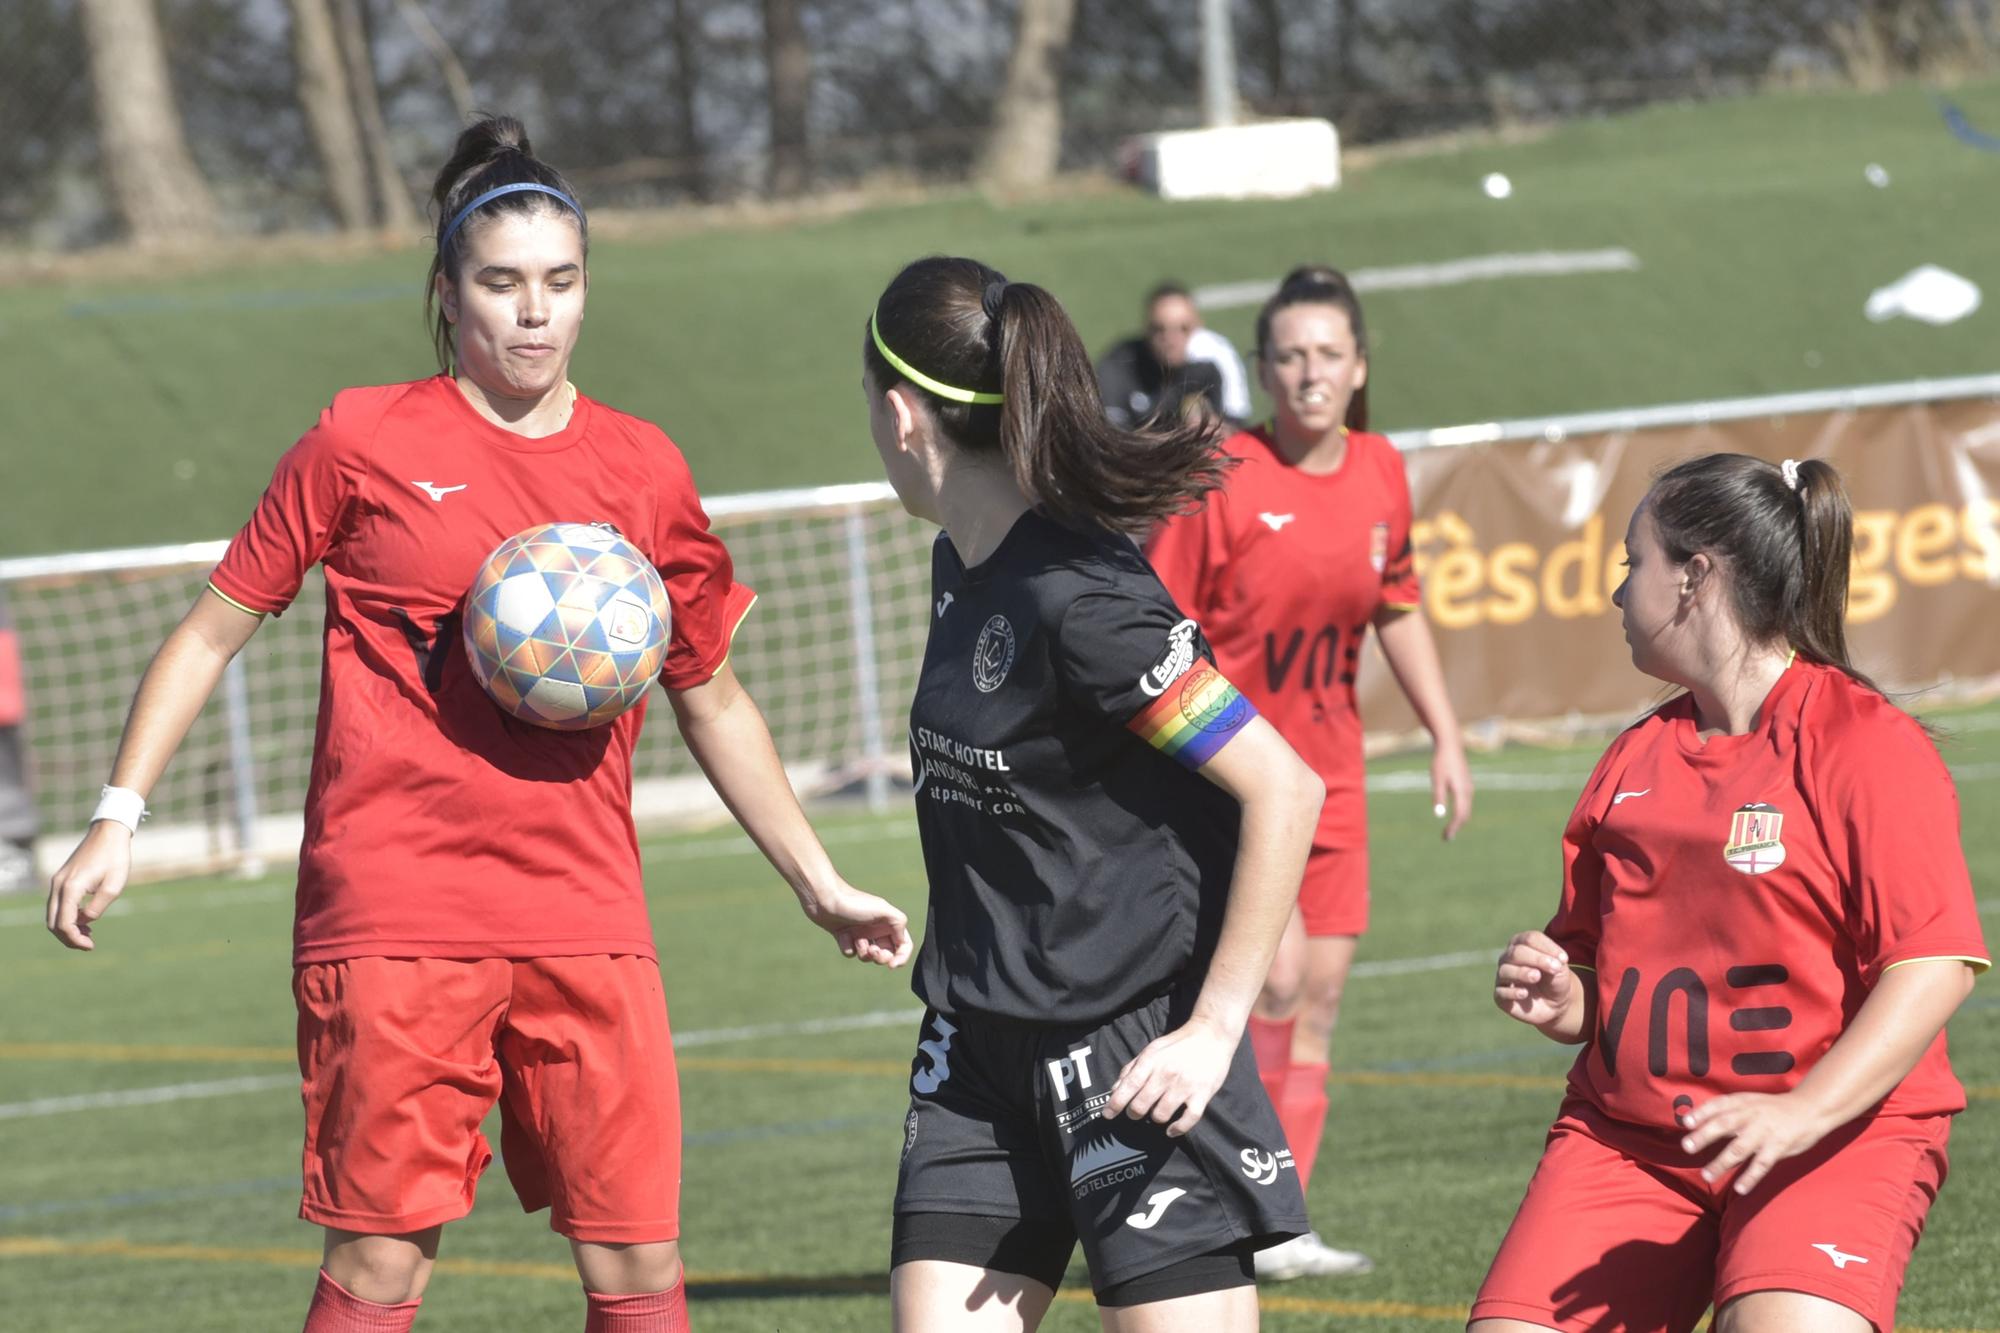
{"x": 1739, "y": 899}
{"x": 436, "y": 825}
{"x": 1285, "y": 569}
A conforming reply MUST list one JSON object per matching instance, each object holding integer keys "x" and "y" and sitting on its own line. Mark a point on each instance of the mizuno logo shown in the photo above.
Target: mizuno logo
{"x": 435, "y": 491}
{"x": 1155, "y": 1206}
{"x": 1840, "y": 1260}
{"x": 1625, "y": 796}
{"x": 1277, "y": 521}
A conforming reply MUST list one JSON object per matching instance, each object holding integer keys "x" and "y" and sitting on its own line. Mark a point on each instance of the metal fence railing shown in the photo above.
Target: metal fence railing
{"x": 831, "y": 653}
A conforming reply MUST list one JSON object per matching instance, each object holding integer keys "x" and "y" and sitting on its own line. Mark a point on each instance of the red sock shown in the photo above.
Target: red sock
{"x": 335, "y": 1309}
{"x": 646, "y": 1312}
{"x": 1302, "y": 1111}
{"x": 1271, "y": 1043}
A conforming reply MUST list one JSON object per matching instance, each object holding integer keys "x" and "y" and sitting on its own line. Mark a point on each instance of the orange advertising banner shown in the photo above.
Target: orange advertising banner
{"x": 1519, "y": 545}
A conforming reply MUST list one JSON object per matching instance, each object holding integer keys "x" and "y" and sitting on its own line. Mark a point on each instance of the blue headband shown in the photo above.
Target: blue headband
{"x": 574, "y": 207}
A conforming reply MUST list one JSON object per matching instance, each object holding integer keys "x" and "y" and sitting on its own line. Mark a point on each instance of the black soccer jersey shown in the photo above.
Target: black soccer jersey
{"x": 1078, "y": 862}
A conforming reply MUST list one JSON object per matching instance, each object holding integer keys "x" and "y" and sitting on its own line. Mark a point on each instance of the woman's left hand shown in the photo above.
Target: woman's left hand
{"x": 1172, "y": 1080}
{"x": 1760, "y": 1130}
{"x": 1451, "y": 786}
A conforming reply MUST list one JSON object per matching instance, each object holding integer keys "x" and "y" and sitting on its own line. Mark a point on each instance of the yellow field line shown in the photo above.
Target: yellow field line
{"x": 698, "y": 1282}
{"x": 43, "y": 1246}
{"x": 1419, "y": 1078}
{"x": 757, "y": 1064}
{"x": 769, "y": 1064}
{"x": 83, "y": 1050}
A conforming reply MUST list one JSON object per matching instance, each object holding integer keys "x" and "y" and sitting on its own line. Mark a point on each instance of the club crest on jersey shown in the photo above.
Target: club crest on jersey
{"x": 1180, "y": 656}
{"x": 1378, "y": 547}
{"x": 1754, "y": 847}
{"x": 992, "y": 655}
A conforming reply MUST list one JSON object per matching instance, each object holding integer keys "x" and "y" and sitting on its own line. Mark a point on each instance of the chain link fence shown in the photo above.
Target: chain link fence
{"x": 318, "y": 114}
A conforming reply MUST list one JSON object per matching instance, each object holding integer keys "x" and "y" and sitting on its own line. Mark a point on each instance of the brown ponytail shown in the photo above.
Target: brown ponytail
{"x": 1827, "y": 546}
{"x": 1786, "y": 548}
{"x": 964, "y": 325}
{"x": 491, "y": 152}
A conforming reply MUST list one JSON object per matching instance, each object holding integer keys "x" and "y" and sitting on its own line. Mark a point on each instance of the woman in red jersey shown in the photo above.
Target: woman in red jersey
{"x": 471, "y": 923}
{"x": 1759, "y": 1116}
{"x": 1286, "y": 568}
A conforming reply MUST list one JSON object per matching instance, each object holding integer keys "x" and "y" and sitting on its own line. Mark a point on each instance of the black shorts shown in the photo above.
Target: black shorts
{"x": 1004, "y": 1123}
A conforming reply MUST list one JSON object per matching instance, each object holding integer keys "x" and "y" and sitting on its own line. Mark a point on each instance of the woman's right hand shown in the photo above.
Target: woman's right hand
{"x": 1533, "y": 983}
{"x": 1173, "y": 1079}
{"x": 89, "y": 882}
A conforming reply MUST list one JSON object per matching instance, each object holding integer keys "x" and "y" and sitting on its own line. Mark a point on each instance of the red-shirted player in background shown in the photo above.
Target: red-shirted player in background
{"x": 471, "y": 924}
{"x": 1285, "y": 569}
{"x": 1764, "y": 886}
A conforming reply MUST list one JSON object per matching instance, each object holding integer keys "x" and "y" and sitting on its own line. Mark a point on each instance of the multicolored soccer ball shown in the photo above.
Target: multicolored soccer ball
{"x": 567, "y": 625}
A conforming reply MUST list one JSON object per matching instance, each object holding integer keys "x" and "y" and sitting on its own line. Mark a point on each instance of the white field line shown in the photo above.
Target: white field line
{"x": 144, "y": 901}
{"x": 735, "y": 844}
{"x": 880, "y": 1018}
{"x": 1418, "y": 780}
{"x": 175, "y": 1092}
{"x": 1573, "y": 779}
{"x": 1445, "y": 273}
{"x": 171, "y": 1092}
{"x": 1438, "y": 962}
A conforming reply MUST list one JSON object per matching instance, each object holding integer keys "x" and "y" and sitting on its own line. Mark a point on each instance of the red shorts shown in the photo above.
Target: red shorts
{"x": 403, "y": 1058}
{"x": 1334, "y": 897}
{"x": 1619, "y": 1229}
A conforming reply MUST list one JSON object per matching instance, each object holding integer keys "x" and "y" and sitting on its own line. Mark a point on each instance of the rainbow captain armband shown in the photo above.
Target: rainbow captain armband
{"x": 1195, "y": 716}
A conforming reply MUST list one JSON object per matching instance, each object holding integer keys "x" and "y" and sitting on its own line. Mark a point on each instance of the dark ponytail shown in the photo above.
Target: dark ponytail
{"x": 491, "y": 152}
{"x": 1321, "y": 284}
{"x": 963, "y": 325}
{"x": 1827, "y": 544}
{"x": 1786, "y": 546}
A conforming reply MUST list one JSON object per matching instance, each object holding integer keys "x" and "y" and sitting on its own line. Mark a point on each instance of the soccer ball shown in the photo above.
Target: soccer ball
{"x": 566, "y": 625}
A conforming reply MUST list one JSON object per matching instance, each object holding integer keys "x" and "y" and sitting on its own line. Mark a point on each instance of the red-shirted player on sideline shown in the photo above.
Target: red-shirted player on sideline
{"x": 471, "y": 926}
{"x": 1764, "y": 890}
{"x": 1307, "y": 545}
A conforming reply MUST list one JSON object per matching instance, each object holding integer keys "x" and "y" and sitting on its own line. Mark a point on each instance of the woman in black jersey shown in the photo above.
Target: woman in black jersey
{"x": 1113, "y": 838}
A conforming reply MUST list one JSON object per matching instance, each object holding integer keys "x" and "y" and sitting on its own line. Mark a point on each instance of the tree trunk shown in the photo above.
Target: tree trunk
{"x": 323, "y": 96}
{"x": 1347, "y": 38}
{"x": 160, "y": 192}
{"x": 684, "y": 34}
{"x": 1272, "y": 12}
{"x": 392, "y": 193}
{"x": 788, "y": 67}
{"x": 455, "y": 81}
{"x": 1026, "y": 140}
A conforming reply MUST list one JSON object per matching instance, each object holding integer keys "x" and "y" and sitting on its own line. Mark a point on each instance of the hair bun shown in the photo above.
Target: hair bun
{"x": 490, "y": 136}
{"x": 508, "y": 135}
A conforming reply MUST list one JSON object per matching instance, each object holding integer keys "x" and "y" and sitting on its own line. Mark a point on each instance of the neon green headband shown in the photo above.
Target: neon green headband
{"x": 921, "y": 380}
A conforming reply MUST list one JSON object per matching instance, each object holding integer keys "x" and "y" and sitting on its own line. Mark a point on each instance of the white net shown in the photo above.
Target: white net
{"x": 830, "y": 653}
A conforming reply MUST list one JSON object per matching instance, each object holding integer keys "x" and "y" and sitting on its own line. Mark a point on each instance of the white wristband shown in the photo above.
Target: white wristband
{"x": 120, "y": 805}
